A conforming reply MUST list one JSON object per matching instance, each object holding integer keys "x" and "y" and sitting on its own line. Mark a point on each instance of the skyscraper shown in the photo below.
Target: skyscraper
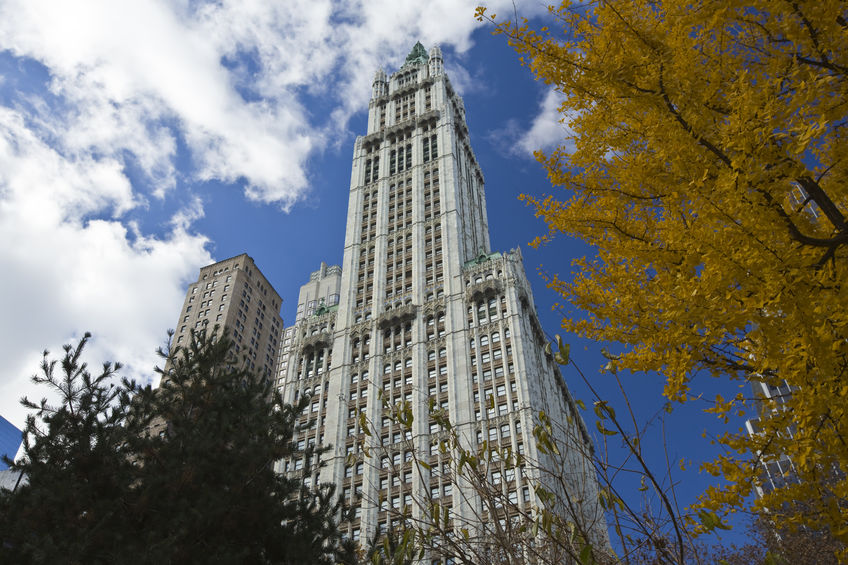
{"x": 234, "y": 295}
{"x": 427, "y": 314}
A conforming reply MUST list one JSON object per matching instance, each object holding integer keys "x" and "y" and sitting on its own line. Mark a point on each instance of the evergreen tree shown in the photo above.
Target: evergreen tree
{"x": 77, "y": 465}
{"x": 180, "y": 474}
{"x": 208, "y": 490}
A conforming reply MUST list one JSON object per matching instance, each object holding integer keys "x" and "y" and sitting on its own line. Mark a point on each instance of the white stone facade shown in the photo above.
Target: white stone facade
{"x": 428, "y": 314}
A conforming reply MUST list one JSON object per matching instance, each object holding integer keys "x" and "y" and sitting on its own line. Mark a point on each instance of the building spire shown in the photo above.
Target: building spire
{"x": 380, "y": 86}
{"x": 417, "y": 56}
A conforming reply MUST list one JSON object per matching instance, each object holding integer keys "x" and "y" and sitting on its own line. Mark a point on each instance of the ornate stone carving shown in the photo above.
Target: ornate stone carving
{"x": 483, "y": 290}
{"x": 317, "y": 341}
{"x": 397, "y": 316}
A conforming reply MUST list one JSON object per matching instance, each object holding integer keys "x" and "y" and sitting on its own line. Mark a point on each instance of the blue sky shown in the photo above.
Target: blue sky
{"x": 140, "y": 142}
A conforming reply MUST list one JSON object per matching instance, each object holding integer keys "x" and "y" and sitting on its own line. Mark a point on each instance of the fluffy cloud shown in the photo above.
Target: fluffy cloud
{"x": 66, "y": 271}
{"x": 548, "y": 129}
{"x": 229, "y": 76}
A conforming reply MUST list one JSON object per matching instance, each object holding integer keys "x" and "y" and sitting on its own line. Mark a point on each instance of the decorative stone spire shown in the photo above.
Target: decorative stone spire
{"x": 380, "y": 86}
{"x": 436, "y": 64}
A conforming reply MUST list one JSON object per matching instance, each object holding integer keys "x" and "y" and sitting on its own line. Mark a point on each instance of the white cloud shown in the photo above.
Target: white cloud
{"x": 65, "y": 272}
{"x": 125, "y": 68}
{"x": 226, "y": 77}
{"x": 549, "y": 128}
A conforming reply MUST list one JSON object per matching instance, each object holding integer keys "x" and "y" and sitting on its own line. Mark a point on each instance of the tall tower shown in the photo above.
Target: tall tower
{"x": 427, "y": 314}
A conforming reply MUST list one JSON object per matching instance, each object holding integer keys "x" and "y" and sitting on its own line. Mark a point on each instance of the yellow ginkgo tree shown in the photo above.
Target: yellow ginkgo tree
{"x": 709, "y": 170}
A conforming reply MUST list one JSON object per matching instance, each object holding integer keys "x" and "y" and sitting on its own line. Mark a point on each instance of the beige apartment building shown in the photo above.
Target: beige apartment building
{"x": 234, "y": 295}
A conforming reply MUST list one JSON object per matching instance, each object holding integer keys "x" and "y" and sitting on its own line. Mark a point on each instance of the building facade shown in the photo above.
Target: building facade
{"x": 234, "y": 295}
{"x": 429, "y": 317}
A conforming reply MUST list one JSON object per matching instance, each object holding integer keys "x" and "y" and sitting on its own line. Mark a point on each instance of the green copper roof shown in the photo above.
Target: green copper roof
{"x": 416, "y": 56}
{"x": 321, "y": 310}
{"x": 482, "y": 258}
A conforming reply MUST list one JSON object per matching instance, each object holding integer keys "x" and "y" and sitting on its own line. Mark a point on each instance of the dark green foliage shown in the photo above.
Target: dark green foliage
{"x": 180, "y": 474}
{"x": 77, "y": 465}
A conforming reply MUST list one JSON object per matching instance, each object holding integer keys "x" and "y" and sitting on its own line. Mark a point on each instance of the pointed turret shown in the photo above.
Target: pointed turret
{"x": 380, "y": 86}
{"x": 436, "y": 64}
